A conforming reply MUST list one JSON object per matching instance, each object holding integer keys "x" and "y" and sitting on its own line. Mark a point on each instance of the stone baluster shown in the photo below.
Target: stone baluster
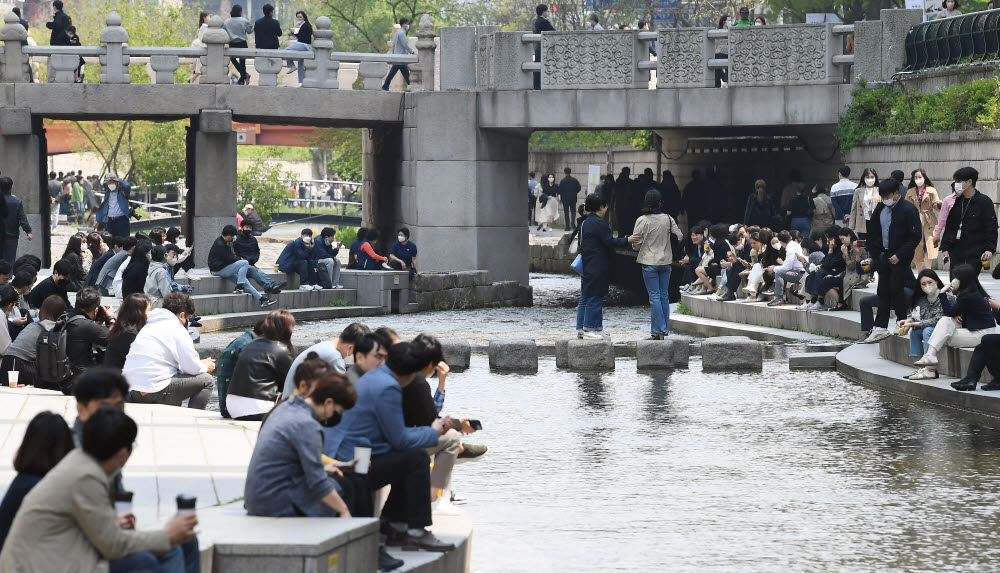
{"x": 114, "y": 63}
{"x": 14, "y": 64}
{"x": 164, "y": 66}
{"x": 373, "y": 72}
{"x": 321, "y": 71}
{"x": 267, "y": 70}
{"x": 424, "y": 82}
{"x": 62, "y": 68}
{"x": 215, "y": 66}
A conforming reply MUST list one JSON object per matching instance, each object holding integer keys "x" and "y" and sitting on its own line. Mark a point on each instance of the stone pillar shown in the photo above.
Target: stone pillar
{"x": 214, "y": 190}
{"x": 215, "y": 66}
{"x": 373, "y": 73}
{"x": 381, "y": 178}
{"x": 461, "y": 188}
{"x": 267, "y": 70}
{"x": 458, "y": 58}
{"x": 868, "y": 50}
{"x": 114, "y": 64}
{"x": 895, "y": 25}
{"x": 14, "y": 63}
{"x": 164, "y": 66}
{"x": 22, "y": 158}
{"x": 321, "y": 71}
{"x": 424, "y": 82}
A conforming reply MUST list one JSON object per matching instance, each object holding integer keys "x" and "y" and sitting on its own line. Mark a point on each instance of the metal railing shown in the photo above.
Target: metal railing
{"x": 962, "y": 39}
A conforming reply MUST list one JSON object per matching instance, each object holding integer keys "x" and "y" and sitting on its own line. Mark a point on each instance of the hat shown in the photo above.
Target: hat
{"x": 744, "y": 10}
{"x": 111, "y": 176}
{"x": 247, "y": 206}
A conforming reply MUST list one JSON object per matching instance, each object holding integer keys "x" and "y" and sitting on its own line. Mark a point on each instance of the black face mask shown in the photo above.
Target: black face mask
{"x": 62, "y": 282}
{"x": 246, "y": 233}
{"x": 332, "y": 420}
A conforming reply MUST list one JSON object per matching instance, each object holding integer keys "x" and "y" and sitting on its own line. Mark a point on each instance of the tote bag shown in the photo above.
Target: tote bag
{"x": 577, "y": 263}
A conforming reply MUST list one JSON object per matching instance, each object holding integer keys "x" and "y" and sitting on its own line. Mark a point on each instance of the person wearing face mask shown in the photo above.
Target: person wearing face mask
{"x": 113, "y": 212}
{"x": 894, "y": 232}
{"x": 171, "y": 259}
{"x": 921, "y": 193}
{"x": 157, "y": 285}
{"x": 56, "y": 284}
{"x": 303, "y": 34}
{"x": 136, "y": 269}
{"x": 246, "y": 247}
{"x": 87, "y": 330}
{"x": 403, "y": 254}
{"x": 950, "y": 9}
{"x": 866, "y": 197}
{"x": 223, "y": 262}
{"x": 970, "y": 235}
{"x": 262, "y": 368}
{"x": 928, "y": 305}
{"x": 547, "y": 210}
{"x": 325, "y": 256}
{"x": 298, "y": 257}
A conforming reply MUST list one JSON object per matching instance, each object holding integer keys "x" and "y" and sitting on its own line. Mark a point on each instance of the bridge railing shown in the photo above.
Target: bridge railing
{"x": 115, "y": 57}
{"x": 962, "y": 39}
{"x": 798, "y": 54}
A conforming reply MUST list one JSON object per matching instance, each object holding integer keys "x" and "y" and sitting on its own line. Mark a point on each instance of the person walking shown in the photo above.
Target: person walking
{"x": 303, "y": 33}
{"x": 894, "y": 230}
{"x": 596, "y": 248}
{"x": 569, "y": 190}
{"x": 594, "y": 22}
{"x": 548, "y": 204}
{"x": 540, "y": 23}
{"x": 400, "y": 45}
{"x": 970, "y": 235}
{"x": 653, "y": 238}
{"x": 14, "y": 218}
{"x": 866, "y": 197}
{"x": 922, "y": 195}
{"x": 842, "y": 194}
{"x": 759, "y": 211}
{"x": 113, "y": 213}
{"x": 238, "y": 28}
{"x": 59, "y": 25}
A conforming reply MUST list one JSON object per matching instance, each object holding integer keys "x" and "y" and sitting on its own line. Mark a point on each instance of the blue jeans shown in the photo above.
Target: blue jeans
{"x": 801, "y": 224}
{"x": 119, "y": 226}
{"x": 657, "y": 279}
{"x": 143, "y": 562}
{"x": 237, "y": 272}
{"x": 589, "y": 313}
{"x": 392, "y": 73}
{"x": 918, "y": 340}
{"x": 258, "y": 276}
{"x": 299, "y": 47}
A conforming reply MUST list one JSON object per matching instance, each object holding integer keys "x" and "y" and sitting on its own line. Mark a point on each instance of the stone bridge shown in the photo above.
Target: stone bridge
{"x": 449, "y": 158}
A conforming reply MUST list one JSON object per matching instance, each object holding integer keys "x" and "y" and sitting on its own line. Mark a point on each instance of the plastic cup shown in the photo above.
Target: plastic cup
{"x": 123, "y": 502}
{"x": 185, "y": 504}
{"x": 364, "y": 457}
{"x": 12, "y": 378}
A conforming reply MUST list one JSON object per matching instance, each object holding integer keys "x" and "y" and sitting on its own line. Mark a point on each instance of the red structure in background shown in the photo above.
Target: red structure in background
{"x": 65, "y": 137}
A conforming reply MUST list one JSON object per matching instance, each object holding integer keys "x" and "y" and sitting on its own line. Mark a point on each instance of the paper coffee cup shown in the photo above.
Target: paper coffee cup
{"x": 12, "y": 378}
{"x": 364, "y": 457}
{"x": 186, "y": 504}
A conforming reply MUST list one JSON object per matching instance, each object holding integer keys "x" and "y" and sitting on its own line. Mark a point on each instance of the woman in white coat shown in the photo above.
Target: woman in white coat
{"x": 547, "y": 214}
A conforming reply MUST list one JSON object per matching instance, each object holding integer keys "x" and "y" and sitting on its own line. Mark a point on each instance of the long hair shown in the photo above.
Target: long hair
{"x": 47, "y": 439}
{"x": 202, "y": 18}
{"x": 74, "y": 246}
{"x": 131, "y": 315}
{"x": 918, "y": 293}
{"x": 139, "y": 255}
{"x": 304, "y": 17}
{"x": 278, "y": 326}
{"x": 913, "y": 175}
{"x": 868, "y": 171}
{"x": 968, "y": 280}
{"x": 94, "y": 245}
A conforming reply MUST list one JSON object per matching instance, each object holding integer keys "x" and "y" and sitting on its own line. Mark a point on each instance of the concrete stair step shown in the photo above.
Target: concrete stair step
{"x": 232, "y": 320}
{"x": 211, "y": 304}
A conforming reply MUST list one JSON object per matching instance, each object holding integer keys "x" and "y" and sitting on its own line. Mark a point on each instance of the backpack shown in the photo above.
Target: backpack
{"x": 54, "y": 369}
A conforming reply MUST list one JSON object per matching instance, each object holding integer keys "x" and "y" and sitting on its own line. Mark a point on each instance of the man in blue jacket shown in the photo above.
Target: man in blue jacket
{"x": 398, "y": 455}
{"x": 298, "y": 257}
{"x": 113, "y": 213}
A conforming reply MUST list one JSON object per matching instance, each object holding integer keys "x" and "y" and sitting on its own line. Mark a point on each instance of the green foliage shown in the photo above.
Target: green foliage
{"x": 684, "y": 309}
{"x": 346, "y": 146}
{"x": 892, "y": 111}
{"x": 339, "y": 303}
{"x": 260, "y": 183}
{"x": 283, "y": 153}
{"x": 347, "y": 235}
{"x": 604, "y": 138}
{"x": 366, "y": 25}
{"x": 162, "y": 159}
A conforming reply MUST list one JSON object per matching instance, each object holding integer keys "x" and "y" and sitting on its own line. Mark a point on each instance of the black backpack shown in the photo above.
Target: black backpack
{"x": 54, "y": 369}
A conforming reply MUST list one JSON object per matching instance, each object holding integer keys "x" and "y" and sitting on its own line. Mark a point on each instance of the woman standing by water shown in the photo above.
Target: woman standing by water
{"x": 652, "y": 239}
{"x": 922, "y": 194}
{"x": 596, "y": 248}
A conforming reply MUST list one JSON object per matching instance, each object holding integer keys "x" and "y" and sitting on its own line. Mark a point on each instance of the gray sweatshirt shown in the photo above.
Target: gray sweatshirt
{"x": 238, "y": 28}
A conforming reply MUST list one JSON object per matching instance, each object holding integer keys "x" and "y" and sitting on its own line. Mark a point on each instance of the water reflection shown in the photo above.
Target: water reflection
{"x": 592, "y": 391}
{"x": 657, "y": 409}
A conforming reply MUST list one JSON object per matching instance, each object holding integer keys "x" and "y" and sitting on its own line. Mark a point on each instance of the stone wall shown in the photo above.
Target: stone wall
{"x": 552, "y": 257}
{"x": 469, "y": 289}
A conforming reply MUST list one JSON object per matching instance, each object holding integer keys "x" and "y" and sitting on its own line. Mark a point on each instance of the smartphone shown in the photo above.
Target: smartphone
{"x": 476, "y": 425}
{"x": 861, "y": 243}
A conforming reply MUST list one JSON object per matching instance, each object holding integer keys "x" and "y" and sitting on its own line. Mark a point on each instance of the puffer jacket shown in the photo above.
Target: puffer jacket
{"x": 157, "y": 281}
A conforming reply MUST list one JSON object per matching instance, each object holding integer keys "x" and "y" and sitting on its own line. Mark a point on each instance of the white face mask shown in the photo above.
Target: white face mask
{"x": 401, "y": 238}
{"x": 299, "y": 23}
{"x": 955, "y": 284}
{"x": 775, "y": 245}
{"x": 112, "y": 186}
{"x": 171, "y": 261}
{"x": 890, "y": 202}
{"x": 307, "y": 240}
{"x": 870, "y": 181}
{"x": 930, "y": 290}
{"x": 552, "y": 179}
{"x": 959, "y": 187}
{"x": 919, "y": 181}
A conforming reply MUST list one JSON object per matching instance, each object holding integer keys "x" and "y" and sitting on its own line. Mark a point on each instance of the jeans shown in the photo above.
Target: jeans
{"x": 258, "y": 276}
{"x": 569, "y": 213}
{"x": 299, "y": 47}
{"x": 328, "y": 272}
{"x": 919, "y": 338}
{"x": 181, "y": 387}
{"x": 54, "y": 214}
{"x": 237, "y": 272}
{"x": 143, "y": 562}
{"x": 305, "y": 270}
{"x": 392, "y": 73}
{"x": 119, "y": 226}
{"x": 589, "y": 313}
{"x": 184, "y": 558}
{"x": 657, "y": 279}
{"x": 781, "y": 277}
{"x": 801, "y": 224}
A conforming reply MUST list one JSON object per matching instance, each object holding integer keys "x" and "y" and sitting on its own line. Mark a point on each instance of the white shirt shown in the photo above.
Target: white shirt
{"x": 239, "y": 406}
{"x": 792, "y": 262}
{"x": 162, "y": 350}
{"x": 843, "y": 187}
{"x": 116, "y": 283}
{"x": 326, "y": 350}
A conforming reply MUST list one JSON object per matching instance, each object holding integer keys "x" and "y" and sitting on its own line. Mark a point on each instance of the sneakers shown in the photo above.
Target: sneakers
{"x": 579, "y": 334}
{"x": 457, "y": 499}
{"x": 239, "y": 290}
{"x": 804, "y": 306}
{"x": 776, "y": 302}
{"x": 924, "y": 374}
{"x": 387, "y": 562}
{"x": 592, "y": 335}
{"x": 305, "y": 287}
{"x": 881, "y": 334}
{"x": 338, "y": 287}
{"x": 863, "y": 337}
{"x": 180, "y": 275}
{"x": 472, "y": 451}
{"x": 442, "y": 506}
{"x": 993, "y": 385}
{"x": 927, "y": 360}
{"x": 750, "y": 291}
{"x": 266, "y": 302}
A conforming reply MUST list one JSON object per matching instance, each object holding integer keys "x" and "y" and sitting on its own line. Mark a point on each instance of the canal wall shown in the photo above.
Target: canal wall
{"x": 551, "y": 257}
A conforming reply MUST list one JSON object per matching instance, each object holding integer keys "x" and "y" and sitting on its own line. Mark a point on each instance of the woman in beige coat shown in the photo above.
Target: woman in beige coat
{"x": 866, "y": 198}
{"x": 652, "y": 239}
{"x": 921, "y": 193}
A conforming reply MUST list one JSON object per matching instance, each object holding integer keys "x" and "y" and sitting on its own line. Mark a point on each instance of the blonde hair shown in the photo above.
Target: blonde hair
{"x": 760, "y": 184}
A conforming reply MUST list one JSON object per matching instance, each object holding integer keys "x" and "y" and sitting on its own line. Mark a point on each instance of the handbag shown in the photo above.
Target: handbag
{"x": 577, "y": 263}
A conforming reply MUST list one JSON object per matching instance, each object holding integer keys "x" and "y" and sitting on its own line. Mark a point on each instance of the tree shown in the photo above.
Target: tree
{"x": 365, "y": 25}
{"x": 261, "y": 185}
{"x": 346, "y": 146}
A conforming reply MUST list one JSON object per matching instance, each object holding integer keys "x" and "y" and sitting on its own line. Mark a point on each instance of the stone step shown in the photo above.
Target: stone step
{"x": 232, "y": 320}
{"x": 211, "y": 284}
{"x": 952, "y": 362}
{"x": 813, "y": 361}
{"x": 210, "y": 304}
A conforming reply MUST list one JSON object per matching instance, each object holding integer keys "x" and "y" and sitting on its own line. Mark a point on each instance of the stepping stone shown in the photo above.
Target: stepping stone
{"x": 732, "y": 353}
{"x": 590, "y": 355}
{"x": 514, "y": 355}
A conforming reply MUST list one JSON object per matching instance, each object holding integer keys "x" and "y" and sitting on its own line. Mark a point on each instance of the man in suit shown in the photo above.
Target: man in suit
{"x": 569, "y": 191}
{"x": 893, "y": 235}
{"x": 540, "y": 23}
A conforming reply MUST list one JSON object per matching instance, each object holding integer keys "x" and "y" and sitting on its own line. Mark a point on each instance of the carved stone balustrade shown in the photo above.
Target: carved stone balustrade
{"x": 593, "y": 60}
{"x": 215, "y": 66}
{"x": 267, "y": 70}
{"x": 14, "y": 63}
{"x": 62, "y": 68}
{"x": 321, "y": 71}
{"x": 500, "y": 60}
{"x": 373, "y": 72}
{"x": 114, "y": 63}
{"x": 424, "y": 80}
{"x": 796, "y": 54}
{"x": 683, "y": 58}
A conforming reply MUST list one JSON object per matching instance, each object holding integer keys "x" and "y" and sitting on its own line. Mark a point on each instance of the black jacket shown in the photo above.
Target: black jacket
{"x": 245, "y": 246}
{"x": 569, "y": 190}
{"x": 979, "y": 226}
{"x": 221, "y": 255}
{"x": 267, "y": 30}
{"x": 904, "y": 233}
{"x": 83, "y": 338}
{"x": 114, "y": 356}
{"x": 59, "y": 24}
{"x": 597, "y": 247}
{"x": 134, "y": 278}
{"x": 539, "y": 25}
{"x": 758, "y": 213}
{"x": 14, "y": 218}
{"x": 260, "y": 370}
{"x": 257, "y": 224}
{"x": 45, "y": 289}
{"x": 418, "y": 403}
{"x": 305, "y": 34}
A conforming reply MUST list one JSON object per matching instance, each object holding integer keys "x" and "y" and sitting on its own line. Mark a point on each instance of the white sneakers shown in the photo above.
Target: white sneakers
{"x": 310, "y": 287}
{"x": 926, "y": 360}
{"x": 923, "y": 374}
{"x": 804, "y": 306}
{"x": 881, "y": 334}
{"x": 591, "y": 335}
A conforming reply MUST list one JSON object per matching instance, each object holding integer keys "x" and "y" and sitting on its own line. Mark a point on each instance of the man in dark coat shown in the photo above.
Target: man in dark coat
{"x": 970, "y": 234}
{"x": 59, "y": 25}
{"x": 540, "y": 23}
{"x": 597, "y": 249}
{"x": 569, "y": 190}
{"x": 893, "y": 235}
